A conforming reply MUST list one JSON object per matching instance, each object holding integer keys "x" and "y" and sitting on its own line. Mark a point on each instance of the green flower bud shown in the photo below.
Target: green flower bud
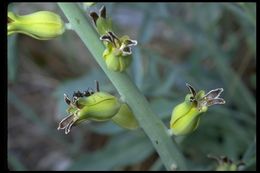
{"x": 125, "y": 118}
{"x": 186, "y": 116}
{"x": 42, "y": 25}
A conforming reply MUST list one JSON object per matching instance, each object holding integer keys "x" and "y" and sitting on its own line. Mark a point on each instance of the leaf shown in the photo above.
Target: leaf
{"x": 250, "y": 152}
{"x": 29, "y": 114}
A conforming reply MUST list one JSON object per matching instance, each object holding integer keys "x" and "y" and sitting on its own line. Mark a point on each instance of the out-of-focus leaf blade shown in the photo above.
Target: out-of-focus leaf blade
{"x": 15, "y": 163}
{"x": 125, "y": 149}
{"x": 12, "y": 57}
{"x": 106, "y": 128}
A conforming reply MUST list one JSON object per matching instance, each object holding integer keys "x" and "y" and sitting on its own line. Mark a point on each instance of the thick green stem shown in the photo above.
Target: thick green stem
{"x": 150, "y": 123}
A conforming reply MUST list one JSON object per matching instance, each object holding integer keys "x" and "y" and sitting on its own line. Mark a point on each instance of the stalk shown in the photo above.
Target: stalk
{"x": 154, "y": 128}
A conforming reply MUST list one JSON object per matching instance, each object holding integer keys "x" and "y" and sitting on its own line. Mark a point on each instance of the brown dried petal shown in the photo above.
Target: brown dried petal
{"x": 65, "y": 121}
{"x": 102, "y": 12}
{"x": 94, "y": 17}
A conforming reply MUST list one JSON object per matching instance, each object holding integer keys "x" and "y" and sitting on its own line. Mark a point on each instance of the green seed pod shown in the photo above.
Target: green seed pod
{"x": 42, "y": 25}
{"x": 125, "y": 118}
{"x": 186, "y": 116}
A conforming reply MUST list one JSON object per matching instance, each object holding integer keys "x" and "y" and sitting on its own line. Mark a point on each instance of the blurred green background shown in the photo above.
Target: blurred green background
{"x": 208, "y": 45}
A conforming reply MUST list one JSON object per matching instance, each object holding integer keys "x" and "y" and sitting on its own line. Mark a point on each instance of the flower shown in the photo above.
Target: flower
{"x": 99, "y": 106}
{"x": 186, "y": 116}
{"x": 96, "y": 106}
{"x": 117, "y": 54}
{"x": 226, "y": 164}
{"x": 42, "y": 25}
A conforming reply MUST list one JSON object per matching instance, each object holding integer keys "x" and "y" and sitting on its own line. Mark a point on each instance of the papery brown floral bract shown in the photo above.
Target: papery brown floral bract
{"x": 42, "y": 25}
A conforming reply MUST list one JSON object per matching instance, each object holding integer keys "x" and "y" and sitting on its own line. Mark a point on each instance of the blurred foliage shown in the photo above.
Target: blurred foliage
{"x": 208, "y": 45}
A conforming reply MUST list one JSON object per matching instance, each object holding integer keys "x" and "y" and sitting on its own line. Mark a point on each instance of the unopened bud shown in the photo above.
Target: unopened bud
{"x": 42, "y": 25}
{"x": 125, "y": 118}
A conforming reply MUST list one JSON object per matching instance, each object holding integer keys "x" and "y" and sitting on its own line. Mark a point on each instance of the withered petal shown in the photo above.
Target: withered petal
{"x": 102, "y": 12}
{"x": 65, "y": 121}
{"x": 94, "y": 17}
